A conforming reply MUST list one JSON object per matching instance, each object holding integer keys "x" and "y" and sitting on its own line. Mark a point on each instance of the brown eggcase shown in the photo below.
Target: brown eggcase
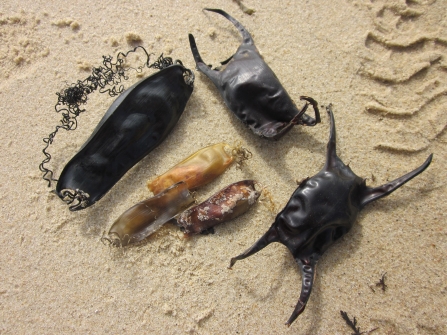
{"x": 228, "y": 203}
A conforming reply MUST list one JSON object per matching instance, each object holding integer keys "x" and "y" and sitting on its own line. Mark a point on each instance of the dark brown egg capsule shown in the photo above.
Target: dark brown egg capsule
{"x": 134, "y": 125}
{"x": 143, "y": 219}
{"x": 252, "y": 91}
{"x": 225, "y": 205}
{"x": 322, "y": 210}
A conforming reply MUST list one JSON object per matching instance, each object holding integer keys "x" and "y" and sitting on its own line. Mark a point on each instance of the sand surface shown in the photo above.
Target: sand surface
{"x": 382, "y": 64}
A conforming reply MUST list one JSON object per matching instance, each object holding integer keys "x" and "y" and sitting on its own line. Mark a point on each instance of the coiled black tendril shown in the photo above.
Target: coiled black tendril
{"x": 108, "y": 78}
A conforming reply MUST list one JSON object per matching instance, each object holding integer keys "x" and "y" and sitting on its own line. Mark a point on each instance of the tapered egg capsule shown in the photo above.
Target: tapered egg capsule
{"x": 144, "y": 218}
{"x": 137, "y": 122}
{"x": 201, "y": 167}
{"x": 228, "y": 203}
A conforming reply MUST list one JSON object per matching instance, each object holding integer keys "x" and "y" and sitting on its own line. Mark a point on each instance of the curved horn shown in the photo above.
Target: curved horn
{"x": 213, "y": 75}
{"x": 308, "y": 270}
{"x": 370, "y": 194}
{"x": 247, "y": 39}
{"x": 269, "y": 237}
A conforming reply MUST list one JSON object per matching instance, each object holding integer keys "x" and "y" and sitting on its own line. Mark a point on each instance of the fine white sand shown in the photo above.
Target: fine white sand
{"x": 382, "y": 64}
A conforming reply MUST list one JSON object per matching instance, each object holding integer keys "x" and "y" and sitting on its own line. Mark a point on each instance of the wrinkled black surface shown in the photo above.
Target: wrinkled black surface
{"x": 136, "y": 123}
{"x": 321, "y": 210}
{"x": 252, "y": 91}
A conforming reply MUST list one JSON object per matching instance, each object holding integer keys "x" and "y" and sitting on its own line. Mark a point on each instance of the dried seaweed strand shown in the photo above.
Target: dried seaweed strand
{"x": 353, "y": 324}
{"x": 381, "y": 283}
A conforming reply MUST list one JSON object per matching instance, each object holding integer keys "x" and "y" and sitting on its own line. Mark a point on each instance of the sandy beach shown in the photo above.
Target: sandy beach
{"x": 382, "y": 64}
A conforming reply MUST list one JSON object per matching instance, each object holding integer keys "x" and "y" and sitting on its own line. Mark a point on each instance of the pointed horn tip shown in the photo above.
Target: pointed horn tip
{"x": 426, "y": 163}
{"x": 299, "y": 309}
{"x": 215, "y": 10}
{"x": 232, "y": 261}
{"x": 291, "y": 320}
